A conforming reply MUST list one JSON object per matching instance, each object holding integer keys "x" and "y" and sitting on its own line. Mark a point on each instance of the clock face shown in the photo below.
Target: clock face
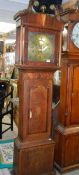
{"x": 75, "y": 35}
{"x": 41, "y": 46}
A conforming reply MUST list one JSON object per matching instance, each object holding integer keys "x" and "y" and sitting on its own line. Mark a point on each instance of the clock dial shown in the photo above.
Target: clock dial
{"x": 41, "y": 46}
{"x": 75, "y": 35}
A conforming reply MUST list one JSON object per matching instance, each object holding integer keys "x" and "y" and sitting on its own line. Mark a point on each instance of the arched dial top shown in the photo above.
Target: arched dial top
{"x": 75, "y": 35}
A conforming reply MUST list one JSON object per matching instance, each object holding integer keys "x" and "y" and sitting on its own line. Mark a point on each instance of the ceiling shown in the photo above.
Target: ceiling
{"x": 8, "y": 8}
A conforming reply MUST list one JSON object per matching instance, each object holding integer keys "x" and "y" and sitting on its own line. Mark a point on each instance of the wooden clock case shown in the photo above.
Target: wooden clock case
{"x": 67, "y": 132}
{"x": 71, "y": 48}
{"x": 34, "y": 147}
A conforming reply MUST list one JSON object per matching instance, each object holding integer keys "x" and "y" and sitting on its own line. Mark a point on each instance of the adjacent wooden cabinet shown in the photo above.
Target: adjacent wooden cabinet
{"x": 67, "y": 132}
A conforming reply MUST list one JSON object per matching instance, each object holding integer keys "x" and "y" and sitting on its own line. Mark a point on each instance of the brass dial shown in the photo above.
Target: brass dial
{"x": 41, "y": 46}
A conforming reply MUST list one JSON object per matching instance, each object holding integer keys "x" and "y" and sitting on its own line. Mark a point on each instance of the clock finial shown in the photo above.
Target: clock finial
{"x": 31, "y": 2}
{"x": 77, "y": 4}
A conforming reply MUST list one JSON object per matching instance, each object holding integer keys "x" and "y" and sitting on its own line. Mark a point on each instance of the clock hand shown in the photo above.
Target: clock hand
{"x": 43, "y": 49}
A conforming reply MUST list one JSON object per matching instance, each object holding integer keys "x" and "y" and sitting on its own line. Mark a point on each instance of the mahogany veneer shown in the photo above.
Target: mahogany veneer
{"x": 67, "y": 132}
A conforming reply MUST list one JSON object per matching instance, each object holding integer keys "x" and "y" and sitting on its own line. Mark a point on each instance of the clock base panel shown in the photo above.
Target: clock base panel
{"x": 66, "y": 150}
{"x": 34, "y": 160}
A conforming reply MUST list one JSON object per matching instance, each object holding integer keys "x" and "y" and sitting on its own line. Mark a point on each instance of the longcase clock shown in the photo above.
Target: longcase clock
{"x": 37, "y": 57}
{"x": 67, "y": 132}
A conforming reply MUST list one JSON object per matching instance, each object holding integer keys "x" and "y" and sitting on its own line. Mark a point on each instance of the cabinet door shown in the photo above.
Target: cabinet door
{"x": 39, "y": 104}
{"x": 36, "y": 108}
{"x": 69, "y": 95}
{"x": 75, "y": 95}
